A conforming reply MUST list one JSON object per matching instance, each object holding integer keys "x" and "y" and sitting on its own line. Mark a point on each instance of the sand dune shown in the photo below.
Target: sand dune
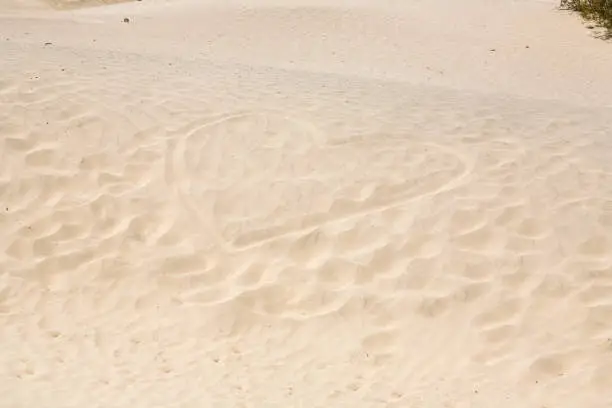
{"x": 195, "y": 217}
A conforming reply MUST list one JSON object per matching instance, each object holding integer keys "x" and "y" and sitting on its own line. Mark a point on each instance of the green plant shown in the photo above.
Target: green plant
{"x": 596, "y": 10}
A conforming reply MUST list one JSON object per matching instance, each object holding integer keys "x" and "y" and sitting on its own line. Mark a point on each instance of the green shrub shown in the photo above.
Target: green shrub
{"x": 596, "y": 10}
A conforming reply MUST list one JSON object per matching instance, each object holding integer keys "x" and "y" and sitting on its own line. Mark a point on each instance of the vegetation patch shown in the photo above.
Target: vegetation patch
{"x": 599, "y": 11}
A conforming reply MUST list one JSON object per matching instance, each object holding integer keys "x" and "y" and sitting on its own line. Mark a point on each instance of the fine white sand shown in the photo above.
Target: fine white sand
{"x": 304, "y": 203}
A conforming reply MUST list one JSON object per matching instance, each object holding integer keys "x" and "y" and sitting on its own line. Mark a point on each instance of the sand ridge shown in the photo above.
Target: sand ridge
{"x": 198, "y": 232}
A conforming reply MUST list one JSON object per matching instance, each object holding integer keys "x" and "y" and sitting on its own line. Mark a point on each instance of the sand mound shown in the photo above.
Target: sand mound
{"x": 190, "y": 231}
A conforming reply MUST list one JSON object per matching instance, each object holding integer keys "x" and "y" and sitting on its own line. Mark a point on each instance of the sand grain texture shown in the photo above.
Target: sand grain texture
{"x": 195, "y": 217}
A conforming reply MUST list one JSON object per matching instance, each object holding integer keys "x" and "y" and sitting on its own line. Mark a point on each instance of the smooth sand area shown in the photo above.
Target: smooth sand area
{"x": 266, "y": 203}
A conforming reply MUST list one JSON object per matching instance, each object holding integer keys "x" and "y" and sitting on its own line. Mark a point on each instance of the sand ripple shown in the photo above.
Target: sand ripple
{"x": 203, "y": 234}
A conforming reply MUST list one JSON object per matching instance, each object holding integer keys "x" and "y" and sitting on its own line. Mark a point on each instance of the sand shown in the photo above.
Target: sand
{"x": 296, "y": 204}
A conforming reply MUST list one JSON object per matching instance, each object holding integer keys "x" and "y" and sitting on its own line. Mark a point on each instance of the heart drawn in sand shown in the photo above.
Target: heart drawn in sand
{"x": 255, "y": 176}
